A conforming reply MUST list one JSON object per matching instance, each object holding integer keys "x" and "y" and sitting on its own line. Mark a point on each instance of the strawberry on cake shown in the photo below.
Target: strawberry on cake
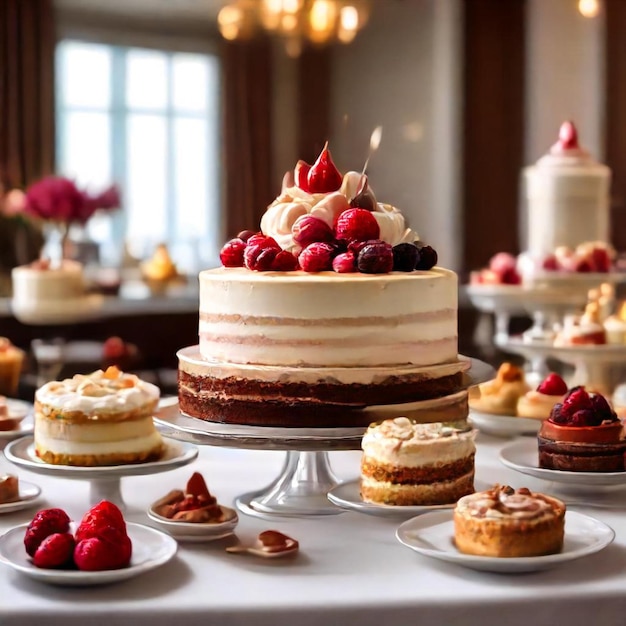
{"x": 104, "y": 418}
{"x": 334, "y": 307}
{"x": 538, "y": 403}
{"x": 582, "y": 434}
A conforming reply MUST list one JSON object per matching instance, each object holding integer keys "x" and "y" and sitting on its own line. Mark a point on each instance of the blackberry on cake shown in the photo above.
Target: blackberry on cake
{"x": 509, "y": 523}
{"x": 405, "y": 463}
{"x": 104, "y": 418}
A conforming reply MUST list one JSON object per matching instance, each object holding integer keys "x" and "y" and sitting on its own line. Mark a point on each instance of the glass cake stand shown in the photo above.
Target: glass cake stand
{"x": 104, "y": 481}
{"x": 306, "y": 476}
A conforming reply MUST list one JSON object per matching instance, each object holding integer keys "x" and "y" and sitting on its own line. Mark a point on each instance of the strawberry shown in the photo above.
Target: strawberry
{"x": 309, "y": 229}
{"x": 552, "y": 385}
{"x": 317, "y": 257}
{"x": 323, "y": 177}
{"x": 356, "y": 225}
{"x": 284, "y": 261}
{"x": 231, "y": 254}
{"x": 45, "y": 523}
{"x": 95, "y": 554}
{"x": 55, "y": 550}
{"x": 99, "y": 516}
{"x": 300, "y": 174}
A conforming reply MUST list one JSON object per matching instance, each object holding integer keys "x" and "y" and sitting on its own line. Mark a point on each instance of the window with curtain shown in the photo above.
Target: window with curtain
{"x": 148, "y": 120}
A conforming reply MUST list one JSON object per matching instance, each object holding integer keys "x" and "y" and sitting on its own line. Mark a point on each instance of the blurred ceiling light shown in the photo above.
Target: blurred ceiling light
{"x": 589, "y": 8}
{"x": 297, "y": 22}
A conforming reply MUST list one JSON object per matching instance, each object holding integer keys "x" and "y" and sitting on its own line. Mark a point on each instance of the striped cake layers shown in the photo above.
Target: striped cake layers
{"x": 328, "y": 319}
{"x": 406, "y": 464}
{"x": 317, "y": 397}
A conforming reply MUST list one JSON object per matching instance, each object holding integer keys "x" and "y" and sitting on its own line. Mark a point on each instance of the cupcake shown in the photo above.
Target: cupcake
{"x": 582, "y": 434}
{"x": 500, "y": 395}
{"x": 11, "y": 359}
{"x": 538, "y": 403}
{"x": 586, "y": 329}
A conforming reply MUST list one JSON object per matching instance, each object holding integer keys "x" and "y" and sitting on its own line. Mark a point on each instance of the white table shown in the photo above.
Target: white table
{"x": 351, "y": 569}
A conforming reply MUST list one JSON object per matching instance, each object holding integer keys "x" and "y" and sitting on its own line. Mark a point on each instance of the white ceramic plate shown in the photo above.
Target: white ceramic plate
{"x": 432, "y": 535}
{"x": 504, "y": 425}
{"x": 22, "y": 453}
{"x": 151, "y": 549}
{"x": 523, "y": 456}
{"x": 193, "y": 532}
{"x": 28, "y": 493}
{"x": 348, "y": 496}
{"x": 19, "y": 409}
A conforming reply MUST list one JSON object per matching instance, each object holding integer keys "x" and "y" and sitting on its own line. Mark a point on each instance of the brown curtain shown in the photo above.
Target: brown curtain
{"x": 27, "y": 42}
{"x": 249, "y": 180}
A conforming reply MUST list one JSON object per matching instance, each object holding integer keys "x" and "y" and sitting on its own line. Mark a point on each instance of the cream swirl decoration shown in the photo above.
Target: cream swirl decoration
{"x": 293, "y": 203}
{"x": 503, "y": 501}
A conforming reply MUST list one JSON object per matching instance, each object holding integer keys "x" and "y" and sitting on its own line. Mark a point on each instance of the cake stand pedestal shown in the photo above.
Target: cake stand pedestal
{"x": 104, "y": 481}
{"x": 306, "y": 476}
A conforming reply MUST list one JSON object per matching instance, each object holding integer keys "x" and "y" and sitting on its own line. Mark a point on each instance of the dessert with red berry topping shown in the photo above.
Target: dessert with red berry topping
{"x": 509, "y": 523}
{"x": 335, "y": 306}
{"x": 538, "y": 403}
{"x": 582, "y": 434}
{"x": 500, "y": 395}
{"x": 104, "y": 418}
{"x": 580, "y": 330}
{"x": 406, "y": 464}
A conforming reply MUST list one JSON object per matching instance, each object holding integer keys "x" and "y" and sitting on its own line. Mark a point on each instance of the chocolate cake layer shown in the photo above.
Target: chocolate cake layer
{"x": 323, "y": 404}
{"x": 582, "y": 457}
{"x": 417, "y": 475}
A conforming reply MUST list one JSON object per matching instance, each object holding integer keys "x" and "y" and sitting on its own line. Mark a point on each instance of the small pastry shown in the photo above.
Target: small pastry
{"x": 537, "y": 404}
{"x": 9, "y": 488}
{"x": 584, "y": 330}
{"x": 507, "y": 522}
{"x": 582, "y": 434}
{"x": 615, "y": 327}
{"x": 500, "y": 396}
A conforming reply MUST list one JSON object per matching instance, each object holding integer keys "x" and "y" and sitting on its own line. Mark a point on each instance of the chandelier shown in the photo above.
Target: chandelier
{"x": 318, "y": 22}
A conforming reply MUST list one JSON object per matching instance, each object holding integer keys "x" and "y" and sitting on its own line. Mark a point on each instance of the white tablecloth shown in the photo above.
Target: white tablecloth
{"x": 351, "y": 569}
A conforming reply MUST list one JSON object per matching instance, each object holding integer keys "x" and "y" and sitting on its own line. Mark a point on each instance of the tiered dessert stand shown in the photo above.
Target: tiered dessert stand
{"x": 306, "y": 476}
{"x": 546, "y": 301}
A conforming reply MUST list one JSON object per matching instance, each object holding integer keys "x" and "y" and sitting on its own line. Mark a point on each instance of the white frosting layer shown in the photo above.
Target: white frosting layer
{"x": 134, "y": 445}
{"x": 293, "y": 202}
{"x": 96, "y": 394}
{"x": 32, "y": 284}
{"x": 328, "y": 319}
{"x": 568, "y": 202}
{"x": 400, "y": 442}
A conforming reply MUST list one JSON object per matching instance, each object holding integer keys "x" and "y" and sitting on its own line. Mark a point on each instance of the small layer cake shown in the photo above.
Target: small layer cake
{"x": 507, "y": 522}
{"x": 104, "y": 418}
{"x": 500, "y": 395}
{"x": 405, "y": 463}
{"x": 582, "y": 434}
{"x": 538, "y": 404}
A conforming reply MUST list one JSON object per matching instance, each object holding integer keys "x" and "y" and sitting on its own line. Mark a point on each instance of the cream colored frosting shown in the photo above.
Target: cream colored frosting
{"x": 615, "y": 328}
{"x": 404, "y": 443}
{"x": 328, "y": 319}
{"x": 293, "y": 203}
{"x": 502, "y": 503}
{"x": 97, "y": 393}
{"x": 537, "y": 405}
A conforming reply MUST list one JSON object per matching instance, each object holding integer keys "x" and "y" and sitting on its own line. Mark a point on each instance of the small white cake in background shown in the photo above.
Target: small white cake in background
{"x": 500, "y": 395}
{"x": 615, "y": 326}
{"x": 538, "y": 403}
{"x": 104, "y": 418}
{"x": 405, "y": 463}
{"x": 586, "y": 329}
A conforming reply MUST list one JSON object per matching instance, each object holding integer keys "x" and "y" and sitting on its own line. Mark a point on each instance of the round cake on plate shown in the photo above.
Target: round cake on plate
{"x": 104, "y": 418}
{"x": 335, "y": 308}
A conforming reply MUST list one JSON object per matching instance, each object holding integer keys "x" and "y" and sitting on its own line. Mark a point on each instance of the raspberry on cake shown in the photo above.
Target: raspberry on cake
{"x": 405, "y": 463}
{"x": 507, "y": 522}
{"x": 104, "y": 418}
{"x": 333, "y": 308}
{"x": 500, "y": 395}
{"x": 582, "y": 434}
{"x": 538, "y": 404}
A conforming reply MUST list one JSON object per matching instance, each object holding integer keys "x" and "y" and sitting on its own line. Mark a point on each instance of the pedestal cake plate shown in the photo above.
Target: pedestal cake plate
{"x": 104, "y": 481}
{"x": 306, "y": 476}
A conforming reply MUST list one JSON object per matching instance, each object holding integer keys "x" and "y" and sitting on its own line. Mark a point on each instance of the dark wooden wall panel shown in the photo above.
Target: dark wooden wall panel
{"x": 493, "y": 122}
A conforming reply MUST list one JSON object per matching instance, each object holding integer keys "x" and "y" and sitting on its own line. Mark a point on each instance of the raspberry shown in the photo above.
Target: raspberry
{"x": 550, "y": 263}
{"x": 511, "y": 277}
{"x": 576, "y": 400}
{"x": 602, "y": 409}
{"x": 405, "y": 257}
{"x": 309, "y": 229}
{"x": 231, "y": 254}
{"x": 584, "y": 417}
{"x": 45, "y": 523}
{"x": 244, "y": 235}
{"x": 375, "y": 258}
{"x": 356, "y": 225}
{"x": 552, "y": 385}
{"x": 345, "y": 263}
{"x": 317, "y": 257}
{"x": 601, "y": 260}
{"x": 56, "y": 550}
{"x": 260, "y": 252}
{"x": 284, "y": 261}
{"x": 427, "y": 257}
{"x": 301, "y": 172}
{"x": 583, "y": 266}
{"x": 502, "y": 262}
